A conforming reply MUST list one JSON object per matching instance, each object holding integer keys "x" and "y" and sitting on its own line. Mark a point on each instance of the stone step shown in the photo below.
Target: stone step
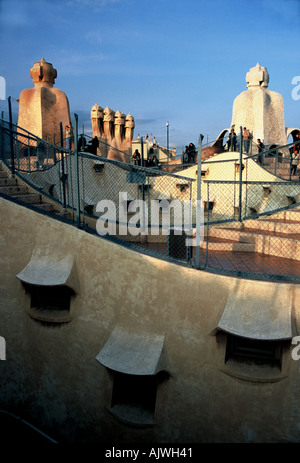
{"x": 278, "y": 246}
{"x": 10, "y": 187}
{"x": 3, "y": 174}
{"x": 238, "y": 236}
{"x": 46, "y": 207}
{"x": 253, "y": 228}
{"x": 290, "y": 214}
{"x": 13, "y": 189}
{"x": 228, "y": 246}
{"x": 274, "y": 226}
{"x": 265, "y": 242}
{"x": 4, "y": 181}
{"x": 32, "y": 198}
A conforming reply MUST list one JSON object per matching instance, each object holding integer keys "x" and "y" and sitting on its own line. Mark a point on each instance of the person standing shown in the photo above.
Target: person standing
{"x": 246, "y": 139}
{"x": 232, "y": 141}
{"x": 155, "y": 161}
{"x": 149, "y": 162}
{"x": 136, "y": 158}
{"x": 69, "y": 137}
{"x": 295, "y": 160}
{"x": 192, "y": 153}
{"x": 261, "y": 147}
{"x": 185, "y": 155}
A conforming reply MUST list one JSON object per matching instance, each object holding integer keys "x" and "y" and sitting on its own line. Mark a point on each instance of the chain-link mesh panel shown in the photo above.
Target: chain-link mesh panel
{"x": 25, "y": 152}
{"x": 249, "y": 222}
{"x": 279, "y": 160}
{"x": 265, "y": 241}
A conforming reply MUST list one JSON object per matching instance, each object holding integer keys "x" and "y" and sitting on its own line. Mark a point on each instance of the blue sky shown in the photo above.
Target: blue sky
{"x": 164, "y": 60}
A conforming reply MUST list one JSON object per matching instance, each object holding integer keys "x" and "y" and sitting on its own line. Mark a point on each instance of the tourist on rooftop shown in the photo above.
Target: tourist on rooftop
{"x": 69, "y": 137}
{"x": 136, "y": 158}
{"x": 231, "y": 143}
{"x": 94, "y": 145}
{"x": 155, "y": 161}
{"x": 295, "y": 162}
{"x": 149, "y": 162}
{"x": 185, "y": 155}
{"x": 246, "y": 139}
{"x": 191, "y": 153}
{"x": 81, "y": 143}
{"x": 295, "y": 157}
{"x": 261, "y": 147}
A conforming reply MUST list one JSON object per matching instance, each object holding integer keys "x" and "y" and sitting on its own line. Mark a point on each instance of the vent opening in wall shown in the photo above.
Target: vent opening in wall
{"x": 50, "y": 303}
{"x": 253, "y": 351}
{"x": 137, "y": 364}
{"x": 134, "y": 397}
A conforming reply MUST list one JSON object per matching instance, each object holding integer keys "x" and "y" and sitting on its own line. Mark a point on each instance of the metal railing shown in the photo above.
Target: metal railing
{"x": 249, "y": 222}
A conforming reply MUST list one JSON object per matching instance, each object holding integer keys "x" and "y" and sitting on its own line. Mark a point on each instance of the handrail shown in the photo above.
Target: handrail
{"x": 29, "y": 425}
{"x": 127, "y": 166}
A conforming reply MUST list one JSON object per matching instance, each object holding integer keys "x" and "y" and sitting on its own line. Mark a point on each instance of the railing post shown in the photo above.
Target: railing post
{"x": 47, "y": 150}
{"x": 240, "y": 176}
{"x": 142, "y": 165}
{"x": 142, "y": 152}
{"x": 198, "y": 204}
{"x": 76, "y": 171}
{"x": 54, "y": 150}
{"x": 207, "y": 228}
{"x": 11, "y": 137}
{"x": 143, "y": 225}
{"x": 63, "y": 165}
{"x": 276, "y": 160}
{"x": 1, "y": 138}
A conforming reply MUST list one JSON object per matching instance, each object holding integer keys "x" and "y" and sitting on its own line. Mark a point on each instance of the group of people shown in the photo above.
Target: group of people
{"x": 232, "y": 140}
{"x": 151, "y": 161}
{"x": 189, "y": 154}
{"x": 295, "y": 154}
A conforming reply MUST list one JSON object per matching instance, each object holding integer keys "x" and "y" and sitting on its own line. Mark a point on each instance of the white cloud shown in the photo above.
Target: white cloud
{"x": 76, "y": 63}
{"x": 94, "y": 37}
{"x": 93, "y": 4}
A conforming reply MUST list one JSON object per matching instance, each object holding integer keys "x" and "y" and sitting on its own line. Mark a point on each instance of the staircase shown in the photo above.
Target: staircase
{"x": 12, "y": 186}
{"x": 278, "y": 235}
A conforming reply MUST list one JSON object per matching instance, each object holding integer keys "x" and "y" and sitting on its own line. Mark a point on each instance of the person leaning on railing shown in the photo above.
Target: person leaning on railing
{"x": 261, "y": 147}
